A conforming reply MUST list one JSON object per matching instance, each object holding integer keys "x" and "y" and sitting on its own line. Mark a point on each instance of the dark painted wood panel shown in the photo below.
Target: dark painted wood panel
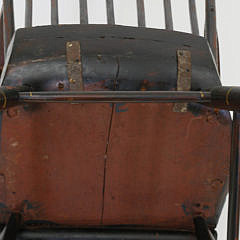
{"x": 139, "y": 57}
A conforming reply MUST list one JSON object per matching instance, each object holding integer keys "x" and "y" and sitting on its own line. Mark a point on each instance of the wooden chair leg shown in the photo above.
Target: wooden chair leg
{"x": 9, "y": 232}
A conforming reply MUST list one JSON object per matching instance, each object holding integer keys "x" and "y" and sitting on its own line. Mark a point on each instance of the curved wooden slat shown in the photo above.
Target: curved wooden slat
{"x": 193, "y": 17}
{"x": 110, "y": 12}
{"x": 54, "y": 12}
{"x": 83, "y": 11}
{"x": 9, "y": 26}
{"x": 211, "y": 25}
{"x": 141, "y": 13}
{"x": 168, "y": 15}
{"x": 1, "y": 42}
{"x": 28, "y": 13}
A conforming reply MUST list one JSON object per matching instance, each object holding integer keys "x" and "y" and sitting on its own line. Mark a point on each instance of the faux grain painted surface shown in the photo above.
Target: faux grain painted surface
{"x": 163, "y": 168}
{"x": 53, "y": 161}
{"x": 159, "y": 168}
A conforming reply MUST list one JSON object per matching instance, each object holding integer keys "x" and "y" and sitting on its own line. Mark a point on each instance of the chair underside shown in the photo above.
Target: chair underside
{"x": 74, "y": 165}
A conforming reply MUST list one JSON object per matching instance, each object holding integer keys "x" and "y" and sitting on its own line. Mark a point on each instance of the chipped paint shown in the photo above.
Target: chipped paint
{"x": 186, "y": 209}
{"x": 119, "y": 108}
{"x": 14, "y": 144}
{"x": 29, "y": 205}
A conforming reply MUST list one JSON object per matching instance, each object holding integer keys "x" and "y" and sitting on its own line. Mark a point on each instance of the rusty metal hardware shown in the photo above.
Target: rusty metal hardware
{"x": 74, "y": 65}
{"x": 184, "y": 77}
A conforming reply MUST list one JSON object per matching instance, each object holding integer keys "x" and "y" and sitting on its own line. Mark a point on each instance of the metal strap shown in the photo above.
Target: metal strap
{"x": 168, "y": 15}
{"x": 110, "y": 12}
{"x": 54, "y": 12}
{"x": 193, "y": 17}
{"x": 74, "y": 65}
{"x": 83, "y": 11}
{"x": 184, "y": 77}
{"x": 141, "y": 13}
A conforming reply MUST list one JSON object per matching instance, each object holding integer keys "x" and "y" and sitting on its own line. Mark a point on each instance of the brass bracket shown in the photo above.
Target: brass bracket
{"x": 184, "y": 77}
{"x": 74, "y": 65}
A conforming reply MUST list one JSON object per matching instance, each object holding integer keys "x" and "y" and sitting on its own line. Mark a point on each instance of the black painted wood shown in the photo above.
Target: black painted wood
{"x": 125, "y": 57}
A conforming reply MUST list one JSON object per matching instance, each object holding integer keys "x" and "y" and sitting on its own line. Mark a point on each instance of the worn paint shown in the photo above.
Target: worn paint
{"x": 149, "y": 171}
{"x": 137, "y": 168}
{"x": 185, "y": 209}
{"x": 119, "y": 108}
{"x": 184, "y": 78}
{"x": 45, "y": 189}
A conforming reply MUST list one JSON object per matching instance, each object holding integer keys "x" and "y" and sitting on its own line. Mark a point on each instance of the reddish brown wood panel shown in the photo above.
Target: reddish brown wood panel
{"x": 52, "y": 162}
{"x": 163, "y": 167}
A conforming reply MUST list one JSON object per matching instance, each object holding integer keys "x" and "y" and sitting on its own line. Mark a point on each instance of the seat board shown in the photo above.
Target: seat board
{"x": 158, "y": 168}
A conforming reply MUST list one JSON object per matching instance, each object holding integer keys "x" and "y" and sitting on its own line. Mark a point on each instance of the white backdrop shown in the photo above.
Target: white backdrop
{"x": 228, "y": 18}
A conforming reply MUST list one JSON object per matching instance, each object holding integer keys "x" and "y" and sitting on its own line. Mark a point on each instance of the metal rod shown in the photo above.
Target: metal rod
{"x": 219, "y": 97}
{"x": 112, "y": 96}
{"x": 168, "y": 14}
{"x": 211, "y": 26}
{"x": 1, "y": 42}
{"x": 233, "y": 206}
{"x": 193, "y": 17}
{"x": 83, "y": 11}
{"x": 54, "y": 12}
{"x": 28, "y": 13}
{"x": 110, "y": 12}
{"x": 141, "y": 13}
{"x": 9, "y": 26}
